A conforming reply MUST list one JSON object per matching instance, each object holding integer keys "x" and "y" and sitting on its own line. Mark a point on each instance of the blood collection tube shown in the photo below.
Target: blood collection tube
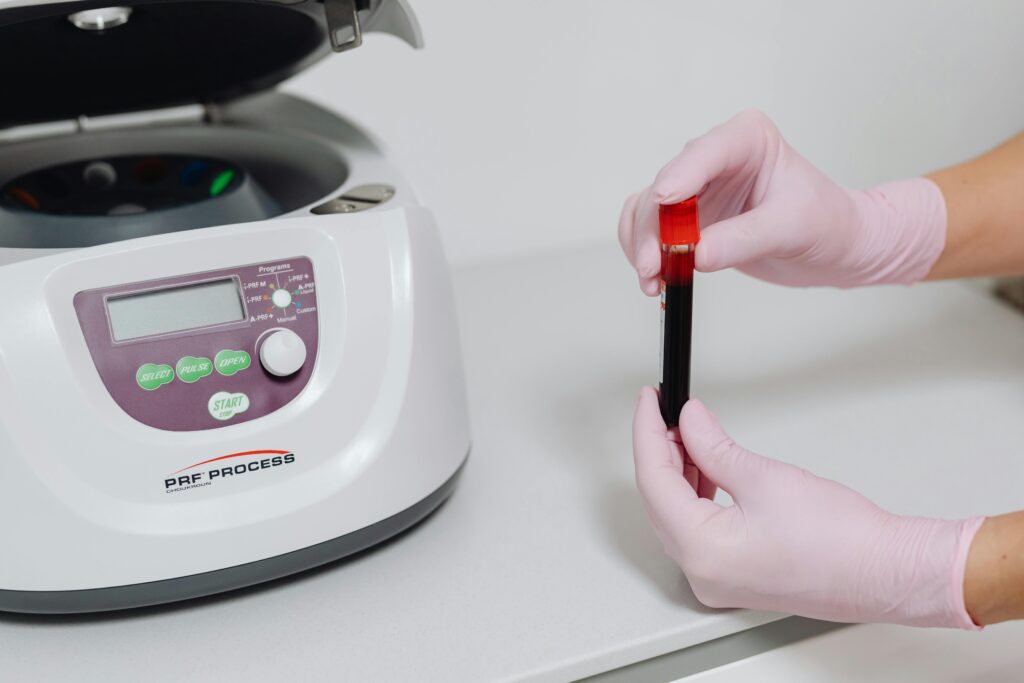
{"x": 680, "y": 231}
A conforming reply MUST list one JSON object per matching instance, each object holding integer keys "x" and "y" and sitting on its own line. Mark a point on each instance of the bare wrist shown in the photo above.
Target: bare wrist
{"x": 994, "y": 574}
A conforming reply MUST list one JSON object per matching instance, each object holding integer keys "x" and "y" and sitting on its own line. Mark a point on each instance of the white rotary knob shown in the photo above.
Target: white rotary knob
{"x": 283, "y": 352}
{"x": 281, "y": 298}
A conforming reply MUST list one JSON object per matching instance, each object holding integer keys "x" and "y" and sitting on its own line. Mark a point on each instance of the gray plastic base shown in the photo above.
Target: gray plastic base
{"x": 221, "y": 580}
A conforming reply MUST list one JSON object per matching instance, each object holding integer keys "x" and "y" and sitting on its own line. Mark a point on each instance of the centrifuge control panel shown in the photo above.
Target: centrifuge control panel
{"x": 205, "y": 350}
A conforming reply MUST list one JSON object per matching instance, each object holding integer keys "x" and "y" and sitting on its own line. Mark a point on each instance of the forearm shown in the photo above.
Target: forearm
{"x": 994, "y": 578}
{"x": 985, "y": 207}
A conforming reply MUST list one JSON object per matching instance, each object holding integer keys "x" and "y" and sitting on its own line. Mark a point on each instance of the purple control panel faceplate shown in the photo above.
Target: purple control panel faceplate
{"x": 215, "y": 399}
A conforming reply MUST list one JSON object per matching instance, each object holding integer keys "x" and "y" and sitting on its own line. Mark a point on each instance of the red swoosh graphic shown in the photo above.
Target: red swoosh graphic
{"x": 233, "y": 455}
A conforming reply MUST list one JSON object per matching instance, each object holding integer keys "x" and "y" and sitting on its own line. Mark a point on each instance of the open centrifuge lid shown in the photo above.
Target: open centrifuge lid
{"x": 63, "y": 60}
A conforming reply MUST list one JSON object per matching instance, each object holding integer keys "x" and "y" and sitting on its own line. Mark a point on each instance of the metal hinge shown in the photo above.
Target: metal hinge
{"x": 192, "y": 113}
{"x": 343, "y": 24}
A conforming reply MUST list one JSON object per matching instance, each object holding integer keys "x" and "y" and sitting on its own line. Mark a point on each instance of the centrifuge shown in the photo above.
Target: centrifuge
{"x": 229, "y": 349}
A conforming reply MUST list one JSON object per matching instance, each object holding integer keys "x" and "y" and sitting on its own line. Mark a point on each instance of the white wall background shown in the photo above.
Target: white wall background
{"x": 524, "y": 124}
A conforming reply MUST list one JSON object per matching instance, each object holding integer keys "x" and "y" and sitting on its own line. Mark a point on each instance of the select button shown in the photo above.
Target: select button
{"x": 151, "y": 376}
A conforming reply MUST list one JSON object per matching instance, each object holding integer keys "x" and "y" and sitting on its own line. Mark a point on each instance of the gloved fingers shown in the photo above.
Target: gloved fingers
{"x": 723, "y": 150}
{"x": 701, "y": 483}
{"x": 647, "y": 244}
{"x": 666, "y": 483}
{"x": 626, "y": 226}
{"x": 742, "y": 239}
{"x": 679, "y": 457}
{"x": 727, "y": 463}
{"x": 690, "y": 472}
{"x": 638, "y": 235}
{"x": 706, "y": 488}
{"x": 646, "y": 238}
{"x": 658, "y": 461}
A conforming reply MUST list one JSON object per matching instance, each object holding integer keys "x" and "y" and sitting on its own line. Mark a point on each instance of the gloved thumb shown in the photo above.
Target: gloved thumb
{"x": 714, "y": 452}
{"x": 739, "y": 240}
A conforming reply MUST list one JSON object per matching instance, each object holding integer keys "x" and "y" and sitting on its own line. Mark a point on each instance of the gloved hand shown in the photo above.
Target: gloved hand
{"x": 767, "y": 211}
{"x": 793, "y": 542}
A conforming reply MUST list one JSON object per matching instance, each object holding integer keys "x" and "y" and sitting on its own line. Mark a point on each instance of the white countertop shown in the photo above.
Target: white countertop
{"x": 542, "y": 566}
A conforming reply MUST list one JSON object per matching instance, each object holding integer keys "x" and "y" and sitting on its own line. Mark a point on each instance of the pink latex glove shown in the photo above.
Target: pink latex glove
{"x": 767, "y": 211}
{"x": 793, "y": 542}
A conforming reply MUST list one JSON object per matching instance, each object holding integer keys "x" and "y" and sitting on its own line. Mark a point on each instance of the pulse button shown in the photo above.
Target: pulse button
{"x": 282, "y": 353}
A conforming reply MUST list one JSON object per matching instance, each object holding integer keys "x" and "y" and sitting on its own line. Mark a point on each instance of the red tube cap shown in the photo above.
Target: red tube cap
{"x": 679, "y": 223}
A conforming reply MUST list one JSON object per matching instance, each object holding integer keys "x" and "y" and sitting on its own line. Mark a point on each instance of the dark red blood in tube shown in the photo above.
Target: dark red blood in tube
{"x": 680, "y": 232}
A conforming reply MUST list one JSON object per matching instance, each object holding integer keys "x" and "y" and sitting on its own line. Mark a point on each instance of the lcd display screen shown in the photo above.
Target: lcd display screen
{"x": 175, "y": 309}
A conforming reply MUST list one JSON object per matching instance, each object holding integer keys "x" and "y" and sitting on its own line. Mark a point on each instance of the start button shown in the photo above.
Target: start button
{"x": 225, "y": 405}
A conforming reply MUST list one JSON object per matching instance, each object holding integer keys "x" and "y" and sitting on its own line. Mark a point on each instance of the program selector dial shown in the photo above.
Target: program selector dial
{"x": 282, "y": 353}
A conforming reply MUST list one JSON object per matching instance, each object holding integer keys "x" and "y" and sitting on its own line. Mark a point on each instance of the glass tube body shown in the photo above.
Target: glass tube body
{"x": 676, "y": 328}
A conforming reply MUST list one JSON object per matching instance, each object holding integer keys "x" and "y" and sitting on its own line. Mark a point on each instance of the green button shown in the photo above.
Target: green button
{"x": 152, "y": 376}
{"x": 191, "y": 369}
{"x": 229, "y": 362}
{"x": 224, "y": 405}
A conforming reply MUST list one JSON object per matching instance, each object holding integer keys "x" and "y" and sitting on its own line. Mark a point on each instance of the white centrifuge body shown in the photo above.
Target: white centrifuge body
{"x": 186, "y": 410}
